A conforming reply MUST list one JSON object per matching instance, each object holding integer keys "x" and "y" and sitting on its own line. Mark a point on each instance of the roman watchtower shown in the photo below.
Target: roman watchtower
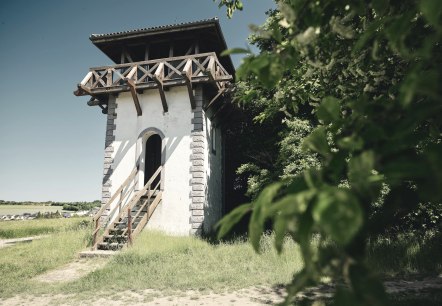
{"x": 165, "y": 99}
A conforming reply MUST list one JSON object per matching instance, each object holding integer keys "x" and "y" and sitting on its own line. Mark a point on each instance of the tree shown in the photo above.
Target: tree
{"x": 370, "y": 72}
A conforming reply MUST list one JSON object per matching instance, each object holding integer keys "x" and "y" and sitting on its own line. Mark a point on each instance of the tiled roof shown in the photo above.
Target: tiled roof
{"x": 154, "y": 29}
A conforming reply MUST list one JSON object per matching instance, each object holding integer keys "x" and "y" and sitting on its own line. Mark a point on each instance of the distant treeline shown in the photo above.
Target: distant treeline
{"x": 73, "y": 206}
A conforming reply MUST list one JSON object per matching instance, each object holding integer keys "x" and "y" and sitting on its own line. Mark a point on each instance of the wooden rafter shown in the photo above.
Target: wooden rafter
{"x": 158, "y": 78}
{"x": 133, "y": 92}
{"x": 187, "y": 73}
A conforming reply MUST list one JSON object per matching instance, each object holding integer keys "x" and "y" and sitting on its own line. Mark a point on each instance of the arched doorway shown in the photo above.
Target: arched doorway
{"x": 152, "y": 158}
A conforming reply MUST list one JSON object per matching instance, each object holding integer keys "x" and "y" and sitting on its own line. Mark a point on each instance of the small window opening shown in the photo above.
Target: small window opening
{"x": 213, "y": 134}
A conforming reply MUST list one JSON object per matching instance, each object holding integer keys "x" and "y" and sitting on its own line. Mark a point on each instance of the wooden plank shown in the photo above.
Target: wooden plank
{"x": 86, "y": 78}
{"x": 132, "y": 72}
{"x": 134, "y": 94}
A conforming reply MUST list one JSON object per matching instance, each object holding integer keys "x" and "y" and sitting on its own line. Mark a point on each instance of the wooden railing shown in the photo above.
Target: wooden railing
{"x": 125, "y": 207}
{"x": 171, "y": 71}
{"x": 121, "y": 194}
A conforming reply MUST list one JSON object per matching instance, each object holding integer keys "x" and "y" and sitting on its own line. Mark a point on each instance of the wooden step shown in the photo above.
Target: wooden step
{"x": 110, "y": 246}
{"x": 115, "y": 237}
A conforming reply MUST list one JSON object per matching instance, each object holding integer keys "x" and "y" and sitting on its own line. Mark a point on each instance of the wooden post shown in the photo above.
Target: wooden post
{"x": 120, "y": 201}
{"x": 94, "y": 239}
{"x": 129, "y": 226}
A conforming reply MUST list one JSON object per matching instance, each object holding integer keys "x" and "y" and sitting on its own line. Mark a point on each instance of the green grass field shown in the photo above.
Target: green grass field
{"x": 17, "y": 229}
{"x": 21, "y": 209}
{"x": 174, "y": 264}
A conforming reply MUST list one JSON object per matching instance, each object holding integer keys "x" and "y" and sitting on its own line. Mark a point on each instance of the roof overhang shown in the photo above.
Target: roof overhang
{"x": 208, "y": 29}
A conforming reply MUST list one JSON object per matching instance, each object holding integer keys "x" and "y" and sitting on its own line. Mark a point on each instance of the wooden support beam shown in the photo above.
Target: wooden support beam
{"x": 146, "y": 52}
{"x": 85, "y": 89}
{"x": 171, "y": 45}
{"x": 187, "y": 74}
{"x": 197, "y": 47}
{"x": 134, "y": 94}
{"x": 122, "y": 59}
{"x": 94, "y": 102}
{"x": 211, "y": 69}
{"x": 220, "y": 92}
{"x": 125, "y": 56}
{"x": 158, "y": 78}
{"x": 191, "y": 49}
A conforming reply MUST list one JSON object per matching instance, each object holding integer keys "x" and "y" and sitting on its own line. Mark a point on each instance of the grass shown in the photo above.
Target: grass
{"x": 21, "y": 209}
{"x": 162, "y": 262}
{"x": 406, "y": 254}
{"x": 17, "y": 229}
{"x": 20, "y": 263}
{"x": 175, "y": 264}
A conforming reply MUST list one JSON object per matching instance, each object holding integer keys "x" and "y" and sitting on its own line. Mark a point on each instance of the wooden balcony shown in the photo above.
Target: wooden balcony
{"x": 159, "y": 73}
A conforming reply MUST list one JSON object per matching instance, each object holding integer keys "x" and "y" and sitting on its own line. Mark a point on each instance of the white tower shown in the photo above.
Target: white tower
{"x": 164, "y": 99}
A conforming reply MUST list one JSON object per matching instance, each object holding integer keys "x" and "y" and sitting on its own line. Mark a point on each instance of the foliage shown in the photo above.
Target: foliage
{"x": 370, "y": 72}
{"x": 77, "y": 206}
{"x": 71, "y": 205}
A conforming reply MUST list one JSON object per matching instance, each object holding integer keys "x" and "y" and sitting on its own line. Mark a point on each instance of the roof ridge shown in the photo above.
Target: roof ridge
{"x": 171, "y": 26}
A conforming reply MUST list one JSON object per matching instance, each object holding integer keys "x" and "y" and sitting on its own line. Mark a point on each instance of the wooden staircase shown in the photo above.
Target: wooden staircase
{"x": 124, "y": 220}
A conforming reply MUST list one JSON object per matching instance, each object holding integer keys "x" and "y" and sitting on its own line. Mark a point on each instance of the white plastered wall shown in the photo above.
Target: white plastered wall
{"x": 172, "y": 215}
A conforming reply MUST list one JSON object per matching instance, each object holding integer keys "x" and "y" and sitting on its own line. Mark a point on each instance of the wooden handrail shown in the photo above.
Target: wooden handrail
{"x": 126, "y": 209}
{"x": 99, "y": 214}
{"x": 117, "y": 192}
{"x": 172, "y": 71}
{"x": 154, "y": 61}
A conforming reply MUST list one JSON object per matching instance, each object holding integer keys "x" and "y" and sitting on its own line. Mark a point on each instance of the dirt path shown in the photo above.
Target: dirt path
{"x": 257, "y": 295}
{"x": 73, "y": 270}
{"x": 249, "y": 296}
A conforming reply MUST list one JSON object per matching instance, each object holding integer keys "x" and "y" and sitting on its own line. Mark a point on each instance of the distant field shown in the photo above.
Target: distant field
{"x": 21, "y": 209}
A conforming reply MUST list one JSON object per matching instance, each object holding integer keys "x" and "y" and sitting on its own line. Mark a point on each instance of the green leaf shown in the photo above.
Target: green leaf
{"x": 329, "y": 110}
{"x": 380, "y": 6}
{"x": 360, "y": 174}
{"x": 317, "y": 142}
{"x": 432, "y": 10}
{"x": 338, "y": 213}
{"x": 227, "y": 223}
{"x": 260, "y": 213}
{"x": 351, "y": 143}
{"x": 280, "y": 228}
{"x": 235, "y": 51}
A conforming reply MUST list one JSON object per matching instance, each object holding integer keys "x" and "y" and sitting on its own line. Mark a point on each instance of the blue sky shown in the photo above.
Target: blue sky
{"x": 51, "y": 142}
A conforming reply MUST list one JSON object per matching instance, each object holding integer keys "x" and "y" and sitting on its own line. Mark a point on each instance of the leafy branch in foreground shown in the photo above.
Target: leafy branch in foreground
{"x": 370, "y": 71}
